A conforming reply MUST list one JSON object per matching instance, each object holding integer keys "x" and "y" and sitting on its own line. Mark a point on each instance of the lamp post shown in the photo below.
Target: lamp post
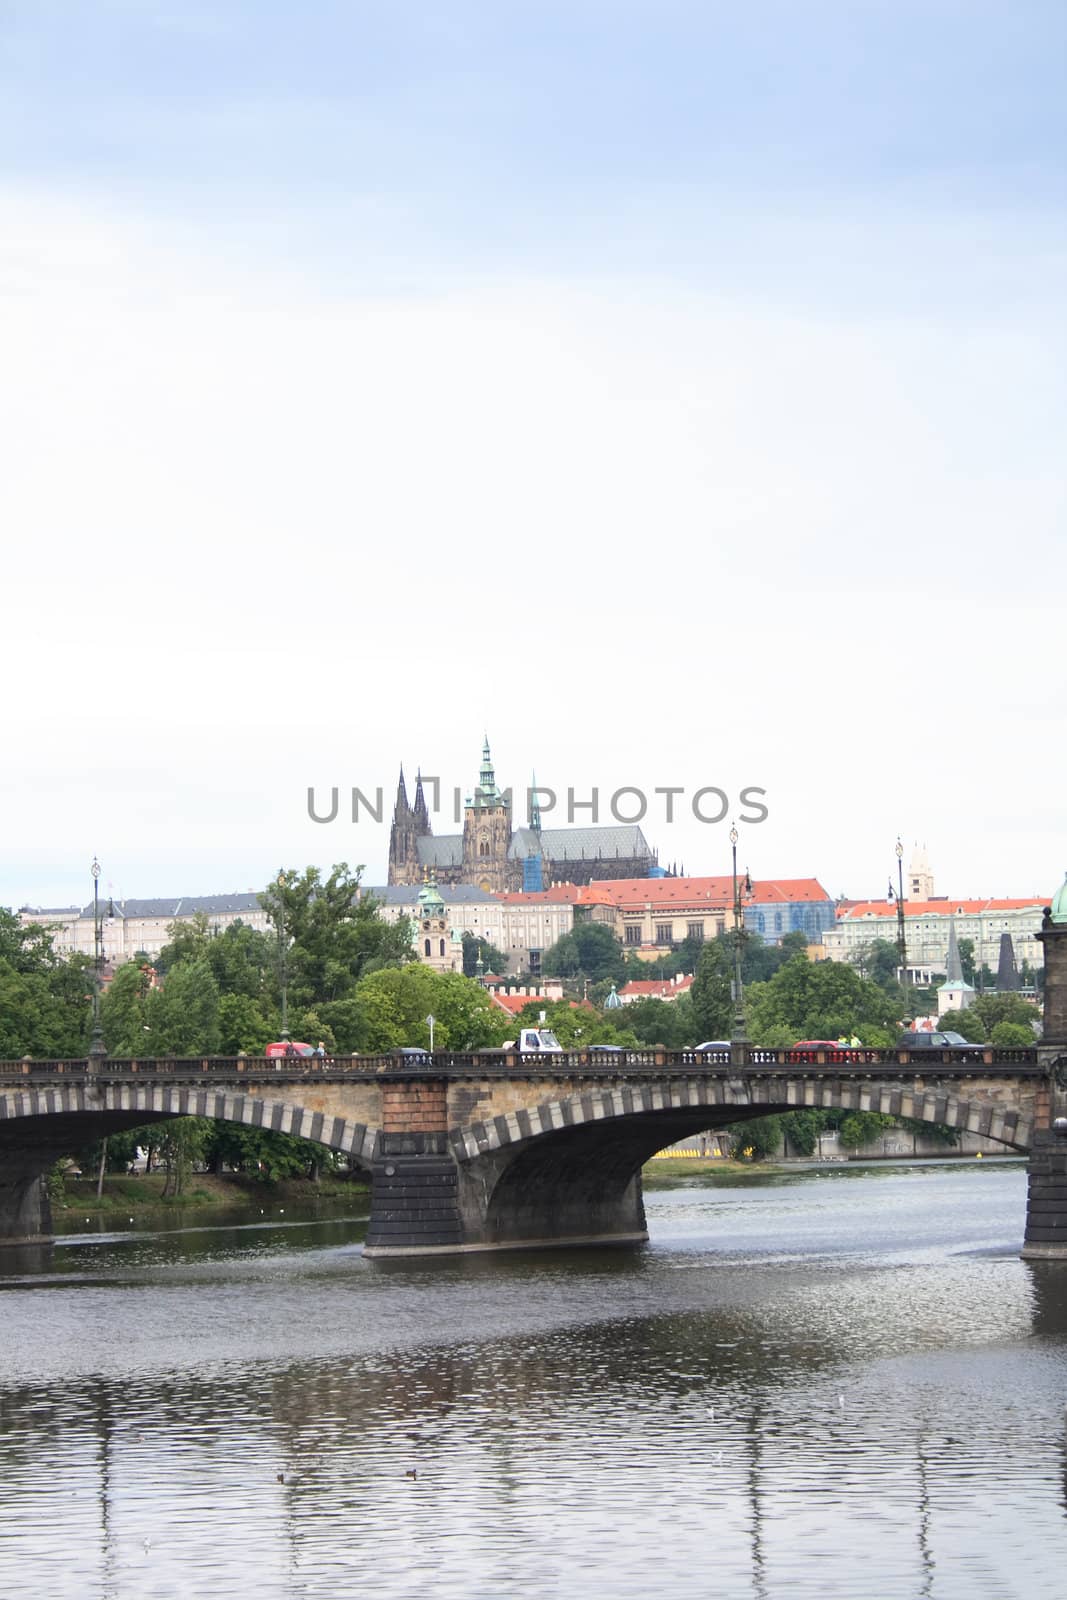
{"x": 97, "y": 1047}
{"x": 283, "y": 952}
{"x": 737, "y": 1032}
{"x": 902, "y": 942}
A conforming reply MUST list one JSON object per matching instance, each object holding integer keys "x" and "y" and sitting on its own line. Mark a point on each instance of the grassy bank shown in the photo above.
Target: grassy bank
{"x": 671, "y": 1167}
{"x": 130, "y": 1196}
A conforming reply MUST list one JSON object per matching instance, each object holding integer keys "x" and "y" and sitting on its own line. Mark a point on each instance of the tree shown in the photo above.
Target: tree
{"x": 183, "y": 1016}
{"x": 821, "y": 1000}
{"x": 711, "y": 993}
{"x": 390, "y": 1007}
{"x": 475, "y": 950}
{"x": 328, "y": 935}
{"x": 576, "y": 1026}
{"x": 879, "y": 961}
{"x": 755, "y": 1139}
{"x": 45, "y": 1001}
{"x": 967, "y": 956}
{"x": 671, "y": 1023}
{"x": 967, "y": 1023}
{"x": 124, "y": 1012}
{"x": 590, "y": 949}
{"x": 1012, "y": 1035}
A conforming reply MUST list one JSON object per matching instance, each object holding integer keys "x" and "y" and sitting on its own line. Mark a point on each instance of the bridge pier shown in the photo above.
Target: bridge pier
{"x": 570, "y": 1190}
{"x": 414, "y": 1181}
{"x": 1046, "y": 1207}
{"x": 25, "y": 1209}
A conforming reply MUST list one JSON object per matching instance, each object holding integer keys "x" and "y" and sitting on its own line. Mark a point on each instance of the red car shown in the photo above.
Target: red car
{"x": 808, "y": 1049}
{"x": 288, "y": 1047}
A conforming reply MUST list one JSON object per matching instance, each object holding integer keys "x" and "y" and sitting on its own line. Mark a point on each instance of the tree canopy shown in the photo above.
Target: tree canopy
{"x": 820, "y": 1000}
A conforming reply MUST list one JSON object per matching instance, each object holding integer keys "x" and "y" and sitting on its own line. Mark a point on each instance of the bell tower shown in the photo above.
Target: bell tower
{"x": 486, "y": 831}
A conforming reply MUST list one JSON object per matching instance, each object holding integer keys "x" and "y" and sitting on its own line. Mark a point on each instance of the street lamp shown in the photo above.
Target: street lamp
{"x": 97, "y": 1047}
{"x": 283, "y": 952}
{"x": 737, "y": 1033}
{"x": 902, "y": 943}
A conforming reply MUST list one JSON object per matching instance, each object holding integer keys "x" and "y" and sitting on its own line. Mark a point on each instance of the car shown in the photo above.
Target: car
{"x": 288, "y": 1047}
{"x": 809, "y": 1049}
{"x": 919, "y": 1040}
{"x": 414, "y": 1055}
{"x": 605, "y": 1049}
{"x": 713, "y": 1044}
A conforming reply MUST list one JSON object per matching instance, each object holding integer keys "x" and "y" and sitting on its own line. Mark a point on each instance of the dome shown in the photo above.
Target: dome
{"x": 612, "y": 1002}
{"x": 1059, "y": 903}
{"x": 429, "y": 899}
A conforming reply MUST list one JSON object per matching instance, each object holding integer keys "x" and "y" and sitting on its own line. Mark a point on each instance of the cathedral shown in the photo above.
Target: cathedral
{"x": 498, "y": 858}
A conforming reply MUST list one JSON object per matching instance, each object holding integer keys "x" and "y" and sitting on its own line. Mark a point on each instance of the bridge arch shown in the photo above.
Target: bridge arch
{"x": 579, "y": 1156}
{"x": 129, "y": 1104}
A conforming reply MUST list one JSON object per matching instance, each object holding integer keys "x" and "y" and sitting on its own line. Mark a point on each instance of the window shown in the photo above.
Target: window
{"x": 633, "y": 934}
{"x": 664, "y": 933}
{"x": 442, "y": 947}
{"x": 535, "y": 961}
{"x": 426, "y": 947}
{"x": 695, "y": 931}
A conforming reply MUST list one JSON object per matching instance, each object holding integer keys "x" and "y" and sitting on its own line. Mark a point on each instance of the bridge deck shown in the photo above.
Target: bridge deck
{"x": 847, "y": 1062}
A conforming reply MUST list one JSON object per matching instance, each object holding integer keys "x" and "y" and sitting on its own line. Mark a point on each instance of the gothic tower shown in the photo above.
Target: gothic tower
{"x": 409, "y": 823}
{"x": 487, "y": 832}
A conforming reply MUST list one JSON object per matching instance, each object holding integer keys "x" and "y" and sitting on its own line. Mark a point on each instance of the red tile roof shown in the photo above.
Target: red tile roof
{"x": 655, "y": 988}
{"x": 633, "y": 894}
{"x": 514, "y": 1003}
{"x": 857, "y": 910}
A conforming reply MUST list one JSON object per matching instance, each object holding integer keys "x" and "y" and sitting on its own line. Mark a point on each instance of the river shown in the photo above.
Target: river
{"x": 839, "y": 1382}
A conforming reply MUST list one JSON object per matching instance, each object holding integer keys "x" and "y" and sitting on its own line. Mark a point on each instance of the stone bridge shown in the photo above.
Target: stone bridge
{"x": 501, "y": 1151}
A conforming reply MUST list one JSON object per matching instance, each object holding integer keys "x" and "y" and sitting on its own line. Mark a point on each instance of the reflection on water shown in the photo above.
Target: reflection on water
{"x": 841, "y": 1384}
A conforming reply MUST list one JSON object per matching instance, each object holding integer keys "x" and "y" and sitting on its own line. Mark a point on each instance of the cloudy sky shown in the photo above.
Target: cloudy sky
{"x": 673, "y": 390}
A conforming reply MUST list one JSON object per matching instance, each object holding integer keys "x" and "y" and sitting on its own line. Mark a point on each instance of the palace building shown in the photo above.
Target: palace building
{"x": 499, "y": 858}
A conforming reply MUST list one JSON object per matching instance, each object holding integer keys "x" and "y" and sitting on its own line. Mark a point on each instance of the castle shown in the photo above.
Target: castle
{"x": 498, "y": 858}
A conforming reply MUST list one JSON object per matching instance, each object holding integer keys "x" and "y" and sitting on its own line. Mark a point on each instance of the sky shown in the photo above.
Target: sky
{"x": 674, "y": 392}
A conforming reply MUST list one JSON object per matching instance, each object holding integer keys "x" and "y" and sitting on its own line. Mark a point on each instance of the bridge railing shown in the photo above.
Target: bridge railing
{"x": 851, "y": 1061}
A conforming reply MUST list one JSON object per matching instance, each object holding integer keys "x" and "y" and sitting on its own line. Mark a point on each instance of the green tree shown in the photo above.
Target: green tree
{"x": 670, "y": 1023}
{"x": 755, "y": 1139}
{"x": 967, "y": 1023}
{"x": 327, "y": 935}
{"x": 967, "y": 958}
{"x": 576, "y": 1027}
{"x": 390, "y": 1008}
{"x": 591, "y": 950}
{"x": 45, "y": 1001}
{"x": 1012, "y": 1035}
{"x": 879, "y": 961}
{"x": 183, "y": 1016}
{"x": 821, "y": 1000}
{"x": 475, "y": 950}
{"x": 710, "y": 995}
{"x": 181, "y": 1144}
{"x": 124, "y": 1012}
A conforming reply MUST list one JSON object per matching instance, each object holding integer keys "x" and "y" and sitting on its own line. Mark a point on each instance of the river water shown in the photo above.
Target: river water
{"x": 841, "y": 1382}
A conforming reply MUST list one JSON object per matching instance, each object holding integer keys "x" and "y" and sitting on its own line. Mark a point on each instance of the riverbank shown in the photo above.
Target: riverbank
{"x": 206, "y": 1191}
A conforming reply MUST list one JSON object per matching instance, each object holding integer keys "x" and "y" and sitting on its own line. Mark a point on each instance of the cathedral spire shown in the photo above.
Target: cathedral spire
{"x": 535, "y": 809}
{"x": 401, "y": 808}
{"x": 422, "y": 816}
{"x": 487, "y": 792}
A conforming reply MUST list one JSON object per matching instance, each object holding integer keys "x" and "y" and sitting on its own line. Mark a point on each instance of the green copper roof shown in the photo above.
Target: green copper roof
{"x": 429, "y": 897}
{"x": 1059, "y": 903}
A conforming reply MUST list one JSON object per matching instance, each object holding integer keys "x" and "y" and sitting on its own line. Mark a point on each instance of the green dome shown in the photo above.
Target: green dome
{"x": 429, "y": 898}
{"x": 1059, "y": 903}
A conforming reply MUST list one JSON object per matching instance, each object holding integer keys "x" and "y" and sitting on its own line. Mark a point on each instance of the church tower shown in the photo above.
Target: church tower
{"x": 487, "y": 831}
{"x": 409, "y": 824}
